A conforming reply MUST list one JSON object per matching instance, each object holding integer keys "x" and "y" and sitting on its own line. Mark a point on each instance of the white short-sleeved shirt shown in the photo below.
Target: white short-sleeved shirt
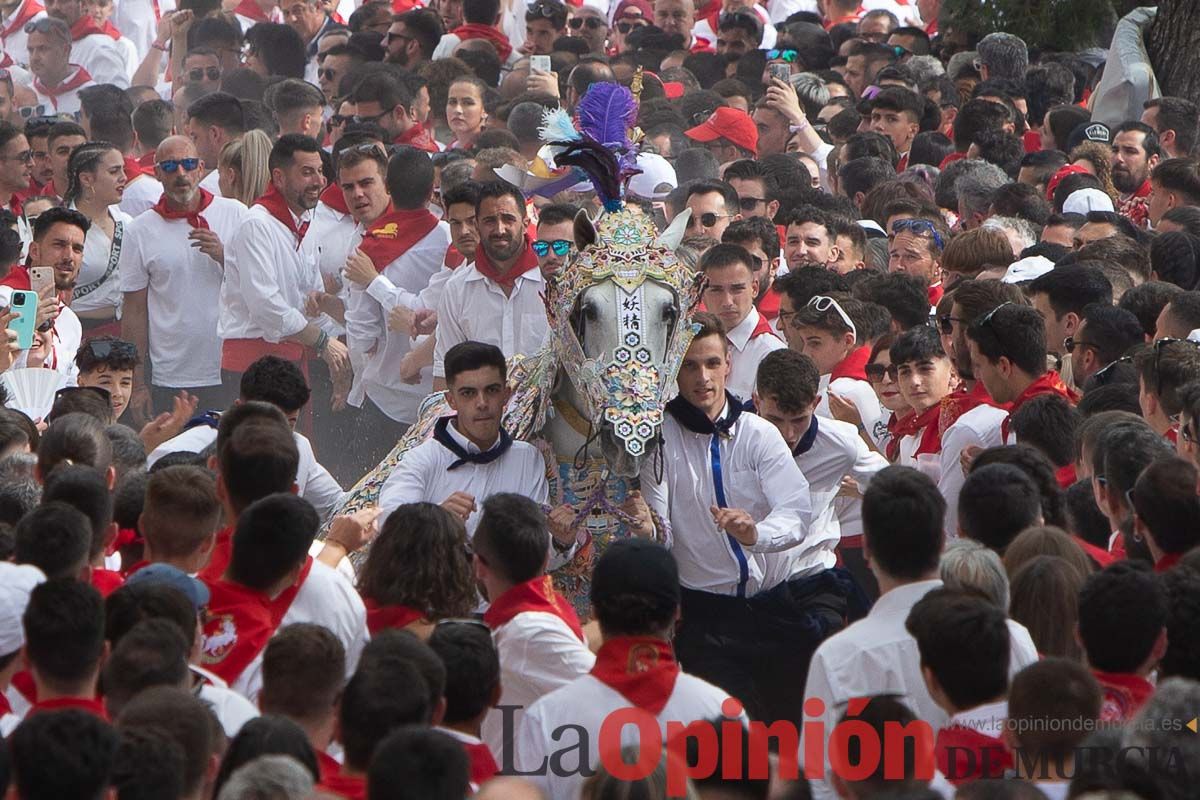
{"x": 103, "y": 58}
{"x": 751, "y": 341}
{"x": 99, "y": 252}
{"x": 140, "y": 195}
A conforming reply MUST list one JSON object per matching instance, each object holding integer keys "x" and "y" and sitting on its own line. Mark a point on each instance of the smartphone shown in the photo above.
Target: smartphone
{"x": 24, "y": 304}
{"x": 539, "y": 63}
{"x": 781, "y": 71}
{"x": 40, "y": 277}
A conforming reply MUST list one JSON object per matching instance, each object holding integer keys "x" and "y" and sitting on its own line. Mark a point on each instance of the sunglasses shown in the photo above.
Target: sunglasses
{"x": 199, "y": 73}
{"x": 25, "y": 157}
{"x": 918, "y": 227}
{"x": 823, "y": 303}
{"x": 986, "y": 319}
{"x": 108, "y": 349}
{"x": 543, "y": 247}
{"x": 782, "y": 55}
{"x": 359, "y": 118}
{"x": 326, "y": 74}
{"x": 171, "y": 165}
{"x": 946, "y": 323}
{"x": 1105, "y": 374}
{"x": 338, "y": 120}
{"x": 750, "y": 203}
{"x": 708, "y": 220}
{"x": 875, "y": 372}
{"x": 626, "y": 27}
{"x": 29, "y": 112}
{"x": 545, "y": 10}
{"x": 1070, "y": 343}
{"x": 591, "y": 22}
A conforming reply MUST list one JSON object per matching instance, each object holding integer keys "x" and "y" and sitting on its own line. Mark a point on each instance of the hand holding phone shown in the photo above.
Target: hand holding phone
{"x": 24, "y": 307}
{"x": 781, "y": 71}
{"x": 539, "y": 63}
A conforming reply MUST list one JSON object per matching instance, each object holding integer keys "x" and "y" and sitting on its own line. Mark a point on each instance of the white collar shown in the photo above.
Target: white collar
{"x": 464, "y": 442}
{"x": 465, "y": 738}
{"x": 903, "y": 597}
{"x": 739, "y": 335}
{"x": 987, "y": 719}
{"x": 529, "y": 275}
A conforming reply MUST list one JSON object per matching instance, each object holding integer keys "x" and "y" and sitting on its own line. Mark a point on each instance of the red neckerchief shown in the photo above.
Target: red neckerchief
{"x": 1047, "y": 383}
{"x": 274, "y": 202}
{"x": 1172, "y": 434}
{"x": 1065, "y": 476}
{"x": 1124, "y": 694}
{"x": 418, "y": 137}
{"x": 898, "y": 427}
{"x": 394, "y": 233}
{"x": 106, "y": 581}
{"x": 327, "y": 765}
{"x": 111, "y": 31}
{"x": 1167, "y": 561}
{"x": 15, "y": 205}
{"x": 763, "y": 328}
{"x": 218, "y": 559}
{"x": 525, "y": 262}
{"x": 89, "y": 704}
{"x": 80, "y": 77}
{"x": 931, "y": 29}
{"x": 350, "y": 787}
{"x": 853, "y": 365}
{"x": 237, "y": 626}
{"x": 533, "y": 595}
{"x": 195, "y": 218}
{"x": 85, "y": 26}
{"x": 476, "y": 30}
{"x": 29, "y": 10}
{"x": 132, "y": 568}
{"x": 23, "y": 682}
{"x": 641, "y": 669}
{"x": 911, "y": 425}
{"x": 147, "y": 160}
{"x": 333, "y": 197}
{"x": 854, "y": 17}
{"x": 5, "y": 706}
{"x": 957, "y": 403}
{"x": 963, "y": 753}
{"x": 768, "y": 306}
{"x": 382, "y": 618}
{"x": 1098, "y": 554}
{"x": 453, "y": 259}
{"x": 17, "y": 278}
{"x": 124, "y": 538}
{"x": 701, "y": 45}
{"x": 483, "y": 763}
{"x": 935, "y": 292}
{"x": 927, "y": 422}
{"x": 134, "y": 168}
{"x": 251, "y": 10}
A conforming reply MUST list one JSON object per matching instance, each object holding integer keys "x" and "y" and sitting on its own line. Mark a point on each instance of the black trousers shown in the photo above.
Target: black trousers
{"x": 758, "y": 648}
{"x": 375, "y": 435}
{"x": 212, "y": 398}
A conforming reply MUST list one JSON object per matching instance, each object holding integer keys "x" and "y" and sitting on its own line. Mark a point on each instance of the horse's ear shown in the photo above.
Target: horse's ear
{"x": 673, "y": 235}
{"x": 585, "y": 231}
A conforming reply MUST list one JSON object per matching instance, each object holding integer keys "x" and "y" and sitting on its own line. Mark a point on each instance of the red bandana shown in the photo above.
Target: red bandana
{"x": 1065, "y": 476}
{"x": 1168, "y": 561}
{"x": 910, "y": 425}
{"x": 418, "y": 137}
{"x": 534, "y": 595}
{"x": 475, "y": 30}
{"x": 194, "y": 218}
{"x": 72, "y": 83}
{"x": 89, "y": 704}
{"x": 768, "y": 305}
{"x": 926, "y": 422}
{"x": 852, "y": 366}
{"x": 453, "y": 259}
{"x": 1098, "y": 554}
{"x": 86, "y": 26}
{"x": 147, "y": 160}
{"x": 218, "y": 562}
{"x": 394, "y": 233}
{"x": 955, "y": 404}
{"x": 641, "y": 669}
{"x": 106, "y": 581}
{"x": 5, "y": 706}
{"x": 1124, "y": 695}
{"x": 274, "y": 203}
{"x": 382, "y": 618}
{"x": 898, "y": 427}
{"x": 935, "y": 292}
{"x": 111, "y": 31}
{"x": 964, "y": 754}
{"x": 29, "y": 10}
{"x": 335, "y": 199}
{"x": 483, "y": 763}
{"x": 763, "y": 328}
{"x": 251, "y": 10}
{"x": 348, "y": 786}
{"x": 237, "y": 626}
{"x": 1048, "y": 383}
{"x": 525, "y": 262}
{"x": 134, "y": 168}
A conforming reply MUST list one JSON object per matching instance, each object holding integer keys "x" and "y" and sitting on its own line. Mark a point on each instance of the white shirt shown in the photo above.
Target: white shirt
{"x": 877, "y": 655}
{"x": 230, "y": 708}
{"x": 104, "y": 60}
{"x": 313, "y": 481}
{"x": 586, "y": 702}
{"x": 212, "y": 183}
{"x": 987, "y": 719}
{"x": 858, "y": 392}
{"x": 137, "y": 20}
{"x": 65, "y": 102}
{"x": 183, "y": 295}
{"x": 367, "y": 328}
{"x": 750, "y": 345}
{"x": 337, "y": 235}
{"x": 140, "y": 195}
{"x": 97, "y": 256}
{"x": 704, "y": 30}
{"x": 979, "y": 427}
{"x": 474, "y": 308}
{"x": 422, "y": 476}
{"x": 759, "y": 476}
{"x": 538, "y": 653}
{"x": 16, "y": 41}
{"x": 267, "y": 280}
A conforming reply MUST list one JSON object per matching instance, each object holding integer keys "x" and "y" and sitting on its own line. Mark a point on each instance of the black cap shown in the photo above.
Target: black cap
{"x": 636, "y": 566}
{"x": 1089, "y": 132}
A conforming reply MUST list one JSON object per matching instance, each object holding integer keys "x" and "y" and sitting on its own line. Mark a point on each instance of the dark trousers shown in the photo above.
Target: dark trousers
{"x": 854, "y": 562}
{"x": 332, "y": 431}
{"x": 212, "y": 398}
{"x": 758, "y": 648}
{"x": 374, "y": 437}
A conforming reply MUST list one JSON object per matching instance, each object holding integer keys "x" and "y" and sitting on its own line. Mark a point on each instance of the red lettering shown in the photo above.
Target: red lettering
{"x": 869, "y": 750}
{"x": 678, "y": 770}
{"x": 649, "y": 744}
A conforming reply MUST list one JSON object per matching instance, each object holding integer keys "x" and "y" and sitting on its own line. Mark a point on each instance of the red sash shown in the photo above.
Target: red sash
{"x": 29, "y": 10}
{"x": 641, "y": 669}
{"x": 236, "y": 629}
{"x": 955, "y": 404}
{"x": 333, "y": 197}
{"x": 251, "y": 10}
{"x": 525, "y": 262}
{"x": 394, "y": 233}
{"x": 23, "y": 682}
{"x": 418, "y": 137}
{"x": 218, "y": 562}
{"x": 238, "y": 354}
{"x": 111, "y": 31}
{"x": 106, "y": 581}
{"x": 85, "y": 26}
{"x": 1048, "y": 383}
{"x": 274, "y": 202}
{"x": 89, "y": 704}
{"x": 533, "y": 595}
{"x": 195, "y": 218}
{"x": 1124, "y": 695}
{"x": 483, "y": 763}
{"x": 1168, "y": 561}
{"x": 964, "y": 754}
{"x": 348, "y": 786}
{"x": 381, "y": 618}
{"x": 935, "y": 292}
{"x": 763, "y": 328}
{"x": 852, "y": 366}
{"x": 475, "y": 30}
{"x": 80, "y": 77}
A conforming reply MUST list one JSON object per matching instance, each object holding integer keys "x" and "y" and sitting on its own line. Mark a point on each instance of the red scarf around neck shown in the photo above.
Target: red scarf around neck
{"x": 73, "y": 82}
{"x": 475, "y": 30}
{"x": 418, "y": 137}
{"x": 959, "y": 402}
{"x": 763, "y": 328}
{"x": 394, "y": 233}
{"x": 86, "y": 26}
{"x": 274, "y": 202}
{"x": 335, "y": 199}
{"x": 236, "y": 629}
{"x": 29, "y": 10}
{"x": 1048, "y": 383}
{"x": 930, "y": 442}
{"x": 382, "y": 618}
{"x": 525, "y": 262}
{"x": 134, "y": 168}
{"x": 194, "y": 218}
{"x": 898, "y": 427}
{"x": 533, "y": 595}
{"x": 639, "y": 668}
{"x": 251, "y": 10}
{"x": 853, "y": 365}
{"x": 110, "y": 30}
{"x": 351, "y": 787}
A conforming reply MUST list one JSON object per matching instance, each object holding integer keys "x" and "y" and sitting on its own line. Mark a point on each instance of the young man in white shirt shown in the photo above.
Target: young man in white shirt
{"x": 737, "y": 506}
{"x": 91, "y": 47}
{"x": 13, "y": 38}
{"x": 635, "y": 594}
{"x": 498, "y": 298}
{"x": 171, "y": 269}
{"x": 271, "y": 269}
{"x": 214, "y": 121}
{"x": 56, "y": 79}
{"x": 537, "y": 633}
{"x": 729, "y": 292}
{"x": 58, "y": 238}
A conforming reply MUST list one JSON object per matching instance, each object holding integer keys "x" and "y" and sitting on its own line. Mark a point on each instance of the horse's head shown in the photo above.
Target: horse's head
{"x": 618, "y": 309}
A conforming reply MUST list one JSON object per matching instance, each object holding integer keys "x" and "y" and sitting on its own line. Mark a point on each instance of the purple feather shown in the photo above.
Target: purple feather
{"x": 606, "y": 113}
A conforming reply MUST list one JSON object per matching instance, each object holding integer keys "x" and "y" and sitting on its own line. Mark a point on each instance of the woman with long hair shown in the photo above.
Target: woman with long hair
{"x": 1044, "y": 597}
{"x": 242, "y": 167}
{"x": 418, "y": 571}
{"x": 1096, "y": 158}
{"x": 465, "y": 114}
{"x": 95, "y": 184}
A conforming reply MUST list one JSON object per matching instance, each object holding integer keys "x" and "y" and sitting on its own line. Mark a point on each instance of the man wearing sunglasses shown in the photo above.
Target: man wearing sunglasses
{"x": 714, "y": 204}
{"x": 388, "y": 101}
{"x": 202, "y": 67}
{"x": 589, "y": 24}
{"x": 56, "y": 81}
{"x": 16, "y": 167}
{"x": 555, "y": 237}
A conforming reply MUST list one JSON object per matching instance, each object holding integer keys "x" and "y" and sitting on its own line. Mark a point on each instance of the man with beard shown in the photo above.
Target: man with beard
{"x": 413, "y": 37}
{"x": 390, "y": 102}
{"x": 1135, "y": 152}
{"x": 58, "y": 235}
{"x": 496, "y": 300}
{"x": 271, "y": 268}
{"x": 171, "y": 266}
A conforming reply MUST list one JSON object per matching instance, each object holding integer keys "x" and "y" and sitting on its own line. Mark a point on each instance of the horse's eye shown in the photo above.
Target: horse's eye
{"x": 590, "y": 312}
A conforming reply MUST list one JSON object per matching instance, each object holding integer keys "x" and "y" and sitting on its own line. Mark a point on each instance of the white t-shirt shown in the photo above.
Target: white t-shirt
{"x": 140, "y": 195}
{"x": 98, "y": 253}
{"x": 103, "y": 58}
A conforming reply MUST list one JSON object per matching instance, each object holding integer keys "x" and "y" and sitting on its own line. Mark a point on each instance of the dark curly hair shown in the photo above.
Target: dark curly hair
{"x": 420, "y": 560}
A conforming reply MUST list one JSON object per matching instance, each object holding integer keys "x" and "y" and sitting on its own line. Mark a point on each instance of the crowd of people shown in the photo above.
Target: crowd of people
{"x": 923, "y": 516}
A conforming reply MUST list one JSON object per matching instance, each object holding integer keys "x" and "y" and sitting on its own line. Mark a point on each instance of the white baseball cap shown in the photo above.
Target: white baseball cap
{"x": 16, "y": 582}
{"x": 1081, "y": 201}
{"x": 1027, "y": 269}
{"x": 656, "y": 179}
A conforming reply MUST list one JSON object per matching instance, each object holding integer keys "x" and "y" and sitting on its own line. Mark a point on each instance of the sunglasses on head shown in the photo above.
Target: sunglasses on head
{"x": 200, "y": 73}
{"x": 1070, "y": 343}
{"x": 1105, "y": 374}
{"x": 986, "y": 319}
{"x": 545, "y": 10}
{"x": 823, "y": 303}
{"x": 875, "y": 372}
{"x": 172, "y": 165}
{"x": 918, "y": 227}
{"x": 110, "y": 349}
{"x": 782, "y": 55}
{"x": 560, "y": 247}
{"x": 591, "y": 22}
{"x": 43, "y": 25}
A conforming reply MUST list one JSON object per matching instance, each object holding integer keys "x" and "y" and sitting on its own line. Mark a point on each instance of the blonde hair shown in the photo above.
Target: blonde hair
{"x": 249, "y": 155}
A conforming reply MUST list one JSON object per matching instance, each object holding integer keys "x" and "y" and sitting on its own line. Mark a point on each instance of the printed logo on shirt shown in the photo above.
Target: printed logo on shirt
{"x": 214, "y": 648}
{"x": 389, "y": 231}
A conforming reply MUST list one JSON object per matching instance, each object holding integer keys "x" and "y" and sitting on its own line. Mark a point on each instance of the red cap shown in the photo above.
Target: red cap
{"x": 1069, "y": 169}
{"x": 728, "y": 123}
{"x": 641, "y": 5}
{"x": 674, "y": 89}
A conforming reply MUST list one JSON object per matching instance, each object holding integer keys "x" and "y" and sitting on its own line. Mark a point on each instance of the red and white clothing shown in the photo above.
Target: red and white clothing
{"x": 1136, "y": 206}
{"x": 969, "y": 747}
{"x": 183, "y": 289}
{"x": 97, "y": 51}
{"x": 142, "y": 189}
{"x": 976, "y": 422}
{"x": 1047, "y": 383}
{"x": 64, "y": 97}
{"x": 230, "y": 708}
{"x": 249, "y": 14}
{"x": 1124, "y": 695}
{"x": 706, "y": 27}
{"x": 751, "y": 339}
{"x": 483, "y": 766}
{"x": 98, "y": 287}
{"x": 337, "y": 232}
{"x": 138, "y": 19}
{"x": 849, "y": 380}
{"x": 13, "y": 38}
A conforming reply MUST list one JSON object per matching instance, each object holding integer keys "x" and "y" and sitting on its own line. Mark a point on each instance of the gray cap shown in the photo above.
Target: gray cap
{"x": 174, "y": 577}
